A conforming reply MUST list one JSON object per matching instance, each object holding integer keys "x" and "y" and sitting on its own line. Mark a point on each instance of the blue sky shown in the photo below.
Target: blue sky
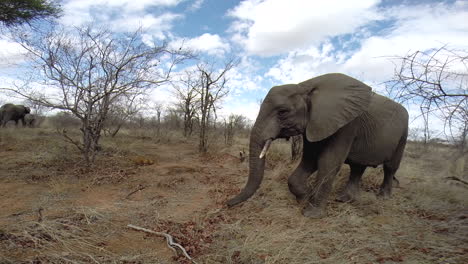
{"x": 277, "y": 41}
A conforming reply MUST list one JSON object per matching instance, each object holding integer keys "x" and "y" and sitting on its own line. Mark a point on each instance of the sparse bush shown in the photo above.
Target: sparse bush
{"x": 63, "y": 120}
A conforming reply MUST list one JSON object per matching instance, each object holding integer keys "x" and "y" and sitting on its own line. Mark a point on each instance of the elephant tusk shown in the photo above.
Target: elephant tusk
{"x": 265, "y": 148}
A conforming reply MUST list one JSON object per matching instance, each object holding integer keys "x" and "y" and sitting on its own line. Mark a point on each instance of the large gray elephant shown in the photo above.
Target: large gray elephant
{"x": 342, "y": 121}
{"x": 13, "y": 112}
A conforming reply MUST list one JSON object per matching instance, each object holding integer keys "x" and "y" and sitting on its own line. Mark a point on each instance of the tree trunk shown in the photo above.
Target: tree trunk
{"x": 114, "y": 133}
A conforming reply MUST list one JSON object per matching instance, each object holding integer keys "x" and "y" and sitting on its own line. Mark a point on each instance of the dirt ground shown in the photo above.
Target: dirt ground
{"x": 54, "y": 211}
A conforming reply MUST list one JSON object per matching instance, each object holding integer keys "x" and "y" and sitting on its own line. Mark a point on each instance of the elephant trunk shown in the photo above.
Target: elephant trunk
{"x": 256, "y": 167}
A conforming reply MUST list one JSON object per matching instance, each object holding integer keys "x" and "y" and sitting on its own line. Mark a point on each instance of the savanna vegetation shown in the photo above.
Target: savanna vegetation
{"x": 56, "y": 210}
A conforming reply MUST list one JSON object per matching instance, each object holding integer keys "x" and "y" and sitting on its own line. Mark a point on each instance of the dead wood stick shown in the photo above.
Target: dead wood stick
{"x": 457, "y": 179}
{"x": 140, "y": 187}
{"x": 169, "y": 240}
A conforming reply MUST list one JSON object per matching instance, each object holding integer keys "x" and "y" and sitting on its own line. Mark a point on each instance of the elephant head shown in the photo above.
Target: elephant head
{"x": 315, "y": 108}
{"x": 30, "y": 120}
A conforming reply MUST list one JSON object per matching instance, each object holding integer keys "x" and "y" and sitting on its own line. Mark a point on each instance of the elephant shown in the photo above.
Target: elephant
{"x": 13, "y": 112}
{"x": 30, "y": 120}
{"x": 341, "y": 122}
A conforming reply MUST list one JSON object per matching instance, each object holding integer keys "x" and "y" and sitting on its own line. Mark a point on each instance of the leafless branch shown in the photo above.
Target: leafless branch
{"x": 170, "y": 241}
{"x": 437, "y": 81}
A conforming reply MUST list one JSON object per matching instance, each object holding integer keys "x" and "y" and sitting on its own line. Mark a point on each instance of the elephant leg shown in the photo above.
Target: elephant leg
{"x": 352, "y": 187}
{"x": 396, "y": 182}
{"x": 297, "y": 182}
{"x": 390, "y": 169}
{"x": 329, "y": 164}
{"x": 6, "y": 118}
{"x": 386, "y": 187}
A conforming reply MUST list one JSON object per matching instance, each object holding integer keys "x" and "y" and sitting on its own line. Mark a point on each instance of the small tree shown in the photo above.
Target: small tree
{"x": 121, "y": 111}
{"x": 188, "y": 100}
{"x": 15, "y": 12}
{"x": 158, "y": 107}
{"x": 88, "y": 70}
{"x": 173, "y": 118}
{"x": 231, "y": 124}
{"x": 437, "y": 81}
{"x": 211, "y": 89}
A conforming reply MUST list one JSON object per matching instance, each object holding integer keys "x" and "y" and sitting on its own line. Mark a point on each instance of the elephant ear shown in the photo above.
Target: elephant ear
{"x": 335, "y": 100}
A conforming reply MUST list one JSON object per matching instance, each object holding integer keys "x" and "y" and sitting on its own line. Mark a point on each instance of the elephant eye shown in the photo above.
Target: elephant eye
{"x": 283, "y": 112}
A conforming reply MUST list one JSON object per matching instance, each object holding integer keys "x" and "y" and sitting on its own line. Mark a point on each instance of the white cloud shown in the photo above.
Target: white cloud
{"x": 124, "y": 5}
{"x": 11, "y": 53}
{"x": 305, "y": 64}
{"x": 273, "y": 27}
{"x": 240, "y": 107}
{"x": 416, "y": 28}
{"x": 197, "y": 4}
{"x": 164, "y": 95}
{"x": 158, "y": 26}
{"x": 207, "y": 43}
{"x": 121, "y": 15}
{"x": 240, "y": 82}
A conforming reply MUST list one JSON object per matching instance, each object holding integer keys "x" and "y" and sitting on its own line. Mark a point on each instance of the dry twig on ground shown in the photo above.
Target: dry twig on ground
{"x": 140, "y": 188}
{"x": 170, "y": 241}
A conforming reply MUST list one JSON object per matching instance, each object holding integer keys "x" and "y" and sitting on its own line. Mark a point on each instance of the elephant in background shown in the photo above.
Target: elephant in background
{"x": 13, "y": 112}
{"x": 30, "y": 120}
{"x": 341, "y": 121}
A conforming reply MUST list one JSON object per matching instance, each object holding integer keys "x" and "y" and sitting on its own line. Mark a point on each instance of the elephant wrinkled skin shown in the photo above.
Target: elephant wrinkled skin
{"x": 13, "y": 112}
{"x": 341, "y": 121}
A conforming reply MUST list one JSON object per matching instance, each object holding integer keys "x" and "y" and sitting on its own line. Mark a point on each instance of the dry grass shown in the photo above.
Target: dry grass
{"x": 54, "y": 212}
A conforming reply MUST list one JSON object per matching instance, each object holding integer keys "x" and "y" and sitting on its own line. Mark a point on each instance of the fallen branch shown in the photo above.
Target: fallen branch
{"x": 140, "y": 187}
{"x": 169, "y": 240}
{"x": 39, "y": 214}
{"x": 457, "y": 179}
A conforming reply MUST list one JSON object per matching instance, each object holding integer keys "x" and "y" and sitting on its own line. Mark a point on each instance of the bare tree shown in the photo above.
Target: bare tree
{"x": 36, "y": 109}
{"x": 437, "y": 81}
{"x": 158, "y": 107}
{"x": 211, "y": 89}
{"x": 188, "y": 100}
{"x": 173, "y": 118}
{"x": 231, "y": 124}
{"x": 121, "y": 111}
{"x": 87, "y": 70}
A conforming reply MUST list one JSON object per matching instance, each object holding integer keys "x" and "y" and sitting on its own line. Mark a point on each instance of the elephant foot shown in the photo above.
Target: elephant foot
{"x": 314, "y": 212}
{"x": 345, "y": 197}
{"x": 301, "y": 198}
{"x": 300, "y": 193}
{"x": 384, "y": 193}
{"x": 396, "y": 182}
{"x": 349, "y": 194}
